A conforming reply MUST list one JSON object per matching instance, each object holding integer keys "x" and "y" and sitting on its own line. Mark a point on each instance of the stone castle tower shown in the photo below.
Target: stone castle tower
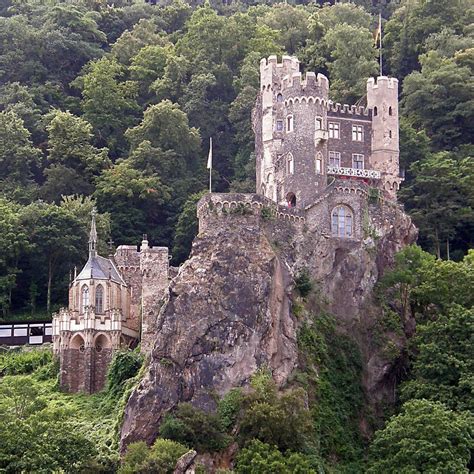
{"x": 304, "y": 141}
{"x": 111, "y": 302}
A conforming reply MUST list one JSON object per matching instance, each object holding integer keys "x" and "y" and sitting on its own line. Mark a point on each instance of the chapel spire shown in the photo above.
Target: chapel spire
{"x": 93, "y": 235}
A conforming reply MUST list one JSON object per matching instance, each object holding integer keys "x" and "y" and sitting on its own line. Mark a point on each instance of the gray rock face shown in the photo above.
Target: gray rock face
{"x": 227, "y": 313}
{"x": 228, "y": 310}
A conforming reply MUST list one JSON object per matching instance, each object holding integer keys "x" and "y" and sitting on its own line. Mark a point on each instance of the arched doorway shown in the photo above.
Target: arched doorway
{"x": 291, "y": 199}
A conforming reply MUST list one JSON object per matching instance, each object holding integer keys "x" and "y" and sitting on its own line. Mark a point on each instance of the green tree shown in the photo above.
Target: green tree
{"x": 439, "y": 197}
{"x": 108, "y": 102}
{"x": 352, "y": 61}
{"x": 440, "y": 99}
{"x": 57, "y": 239}
{"x": 70, "y": 150}
{"x": 13, "y": 242}
{"x": 443, "y": 366}
{"x": 18, "y": 156}
{"x": 161, "y": 457}
{"x": 424, "y": 437}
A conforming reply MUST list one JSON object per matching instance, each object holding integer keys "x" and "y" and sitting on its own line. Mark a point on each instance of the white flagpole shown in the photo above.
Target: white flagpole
{"x": 209, "y": 164}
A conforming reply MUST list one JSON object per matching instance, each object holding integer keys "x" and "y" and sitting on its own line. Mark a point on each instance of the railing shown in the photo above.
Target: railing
{"x": 356, "y": 172}
{"x": 16, "y": 334}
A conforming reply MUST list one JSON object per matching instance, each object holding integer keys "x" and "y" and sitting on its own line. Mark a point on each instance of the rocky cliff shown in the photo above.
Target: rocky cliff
{"x": 226, "y": 314}
{"x": 228, "y": 311}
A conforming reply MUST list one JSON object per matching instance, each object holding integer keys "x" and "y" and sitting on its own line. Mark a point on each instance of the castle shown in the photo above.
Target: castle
{"x": 317, "y": 165}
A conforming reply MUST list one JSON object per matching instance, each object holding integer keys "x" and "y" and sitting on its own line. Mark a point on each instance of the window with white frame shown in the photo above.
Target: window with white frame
{"x": 289, "y": 123}
{"x": 290, "y": 164}
{"x": 319, "y": 163}
{"x": 342, "y": 222}
{"x": 279, "y": 125}
{"x": 335, "y": 159}
{"x": 357, "y": 133}
{"x": 319, "y": 123}
{"x": 358, "y": 161}
{"x": 333, "y": 130}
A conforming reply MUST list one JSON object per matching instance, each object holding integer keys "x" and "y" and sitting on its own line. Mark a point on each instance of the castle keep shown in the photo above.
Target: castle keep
{"x": 304, "y": 141}
{"x": 112, "y": 302}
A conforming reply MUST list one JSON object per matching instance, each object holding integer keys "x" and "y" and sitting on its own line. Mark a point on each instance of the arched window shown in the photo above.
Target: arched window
{"x": 289, "y": 123}
{"x": 390, "y": 111}
{"x": 342, "y": 222}
{"x": 99, "y": 299}
{"x": 290, "y": 164}
{"x": 84, "y": 298}
{"x": 279, "y": 98}
{"x": 291, "y": 199}
{"x": 375, "y": 111}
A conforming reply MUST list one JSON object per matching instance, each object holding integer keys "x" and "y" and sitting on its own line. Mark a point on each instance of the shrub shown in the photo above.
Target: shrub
{"x": 303, "y": 283}
{"x": 124, "y": 366}
{"x": 160, "y": 458}
{"x": 195, "y": 428}
{"x": 229, "y": 407}
{"x": 24, "y": 361}
{"x": 261, "y": 458}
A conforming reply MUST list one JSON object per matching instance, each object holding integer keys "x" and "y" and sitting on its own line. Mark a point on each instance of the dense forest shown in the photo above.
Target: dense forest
{"x": 112, "y": 104}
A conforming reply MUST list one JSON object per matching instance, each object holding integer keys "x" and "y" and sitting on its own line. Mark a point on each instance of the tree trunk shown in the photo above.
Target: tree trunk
{"x": 50, "y": 278}
{"x": 447, "y": 249}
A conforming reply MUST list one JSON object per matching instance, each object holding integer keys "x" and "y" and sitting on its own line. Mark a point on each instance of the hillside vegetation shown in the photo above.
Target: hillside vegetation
{"x": 112, "y": 104}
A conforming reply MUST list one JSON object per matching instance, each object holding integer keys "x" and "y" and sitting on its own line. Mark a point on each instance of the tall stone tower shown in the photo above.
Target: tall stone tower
{"x": 382, "y": 99}
{"x": 290, "y": 123}
{"x": 306, "y": 143}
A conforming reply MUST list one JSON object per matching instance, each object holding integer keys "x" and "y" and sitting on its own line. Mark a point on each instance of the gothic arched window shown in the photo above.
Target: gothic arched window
{"x": 390, "y": 111}
{"x": 99, "y": 299}
{"x": 342, "y": 222}
{"x": 279, "y": 98}
{"x": 84, "y": 298}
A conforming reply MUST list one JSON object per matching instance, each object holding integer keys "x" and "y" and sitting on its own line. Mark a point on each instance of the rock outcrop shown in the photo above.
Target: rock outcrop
{"x": 227, "y": 313}
{"x": 228, "y": 310}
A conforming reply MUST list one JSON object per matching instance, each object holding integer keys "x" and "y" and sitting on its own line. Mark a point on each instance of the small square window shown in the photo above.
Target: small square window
{"x": 335, "y": 159}
{"x": 357, "y": 133}
{"x": 279, "y": 125}
{"x": 358, "y": 161}
{"x": 333, "y": 130}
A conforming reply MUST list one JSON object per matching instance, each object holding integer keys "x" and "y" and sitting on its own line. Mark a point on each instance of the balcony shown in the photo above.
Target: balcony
{"x": 353, "y": 172}
{"x": 320, "y": 135}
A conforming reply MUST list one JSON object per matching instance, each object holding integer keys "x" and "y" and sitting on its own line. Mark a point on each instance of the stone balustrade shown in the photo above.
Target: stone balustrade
{"x": 353, "y": 172}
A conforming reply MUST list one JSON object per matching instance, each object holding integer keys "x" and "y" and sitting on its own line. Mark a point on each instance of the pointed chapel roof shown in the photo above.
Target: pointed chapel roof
{"x": 98, "y": 267}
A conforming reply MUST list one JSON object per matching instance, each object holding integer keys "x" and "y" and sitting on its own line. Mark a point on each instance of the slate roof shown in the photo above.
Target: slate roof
{"x": 100, "y": 268}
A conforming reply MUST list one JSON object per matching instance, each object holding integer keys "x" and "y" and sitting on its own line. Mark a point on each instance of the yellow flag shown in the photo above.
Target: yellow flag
{"x": 378, "y": 31}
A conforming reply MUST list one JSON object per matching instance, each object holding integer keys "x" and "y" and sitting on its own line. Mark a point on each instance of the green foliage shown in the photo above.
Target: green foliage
{"x": 303, "y": 283}
{"x": 277, "y": 419}
{"x": 229, "y": 406}
{"x": 22, "y": 362}
{"x": 161, "y": 457}
{"x": 424, "y": 437}
{"x": 195, "y": 428}
{"x": 124, "y": 366}
{"x": 333, "y": 366}
{"x": 262, "y": 458}
{"x": 443, "y": 366}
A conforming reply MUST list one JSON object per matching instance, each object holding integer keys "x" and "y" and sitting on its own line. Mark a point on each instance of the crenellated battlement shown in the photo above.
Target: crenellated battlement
{"x": 218, "y": 206}
{"x": 338, "y": 108}
{"x": 382, "y": 82}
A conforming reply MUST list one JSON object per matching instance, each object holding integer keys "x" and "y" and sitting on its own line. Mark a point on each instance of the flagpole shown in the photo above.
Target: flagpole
{"x": 209, "y": 164}
{"x": 380, "y": 49}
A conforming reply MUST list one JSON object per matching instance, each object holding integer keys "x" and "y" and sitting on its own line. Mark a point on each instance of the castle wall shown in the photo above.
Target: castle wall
{"x": 127, "y": 259}
{"x": 154, "y": 265}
